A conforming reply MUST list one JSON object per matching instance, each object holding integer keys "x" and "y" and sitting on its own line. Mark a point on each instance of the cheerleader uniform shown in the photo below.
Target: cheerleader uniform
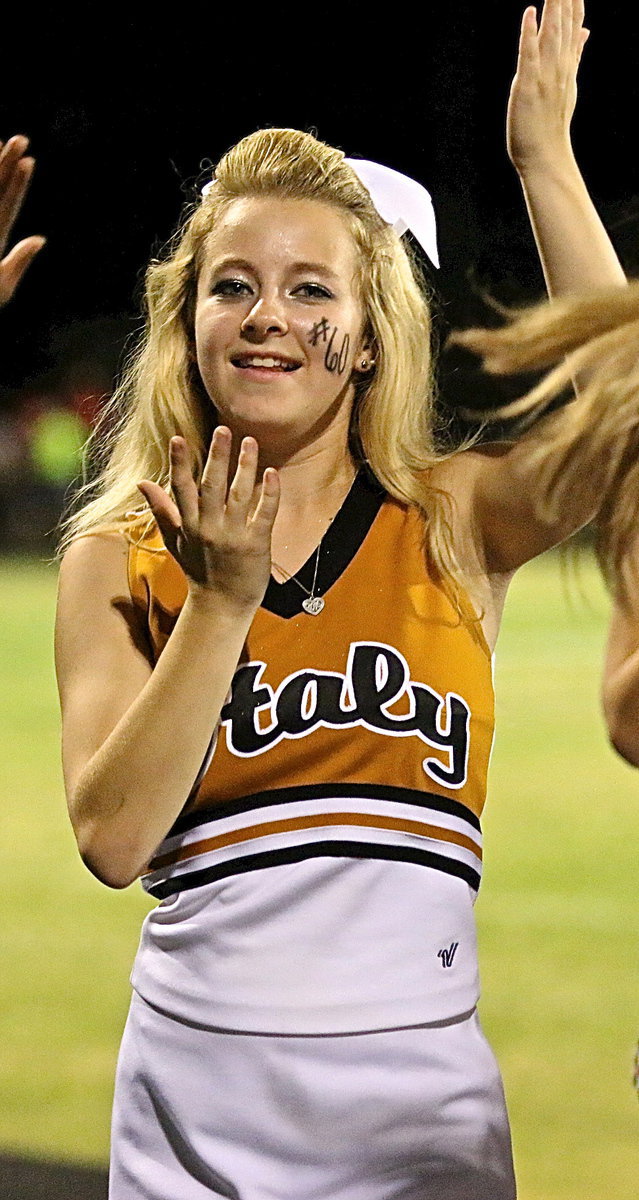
{"x": 303, "y": 1022}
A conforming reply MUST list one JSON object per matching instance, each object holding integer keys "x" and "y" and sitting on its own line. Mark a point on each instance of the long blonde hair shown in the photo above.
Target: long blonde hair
{"x": 161, "y": 393}
{"x": 595, "y": 339}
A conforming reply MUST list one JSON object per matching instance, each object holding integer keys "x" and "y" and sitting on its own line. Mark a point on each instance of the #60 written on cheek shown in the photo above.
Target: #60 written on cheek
{"x": 334, "y": 360}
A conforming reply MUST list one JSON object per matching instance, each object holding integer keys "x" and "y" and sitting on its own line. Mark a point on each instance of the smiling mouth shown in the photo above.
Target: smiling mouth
{"x": 266, "y": 362}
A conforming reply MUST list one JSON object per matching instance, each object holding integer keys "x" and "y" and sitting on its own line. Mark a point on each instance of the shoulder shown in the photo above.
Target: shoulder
{"x": 96, "y": 571}
{"x": 96, "y": 613}
{"x": 460, "y": 472}
{"x": 93, "y": 582}
{"x": 94, "y": 556}
{"x": 107, "y": 551}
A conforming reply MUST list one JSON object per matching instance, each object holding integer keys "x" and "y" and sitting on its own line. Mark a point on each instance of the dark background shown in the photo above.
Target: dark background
{"x": 124, "y": 110}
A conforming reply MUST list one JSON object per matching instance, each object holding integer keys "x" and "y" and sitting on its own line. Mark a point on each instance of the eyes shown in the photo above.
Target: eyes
{"x": 238, "y": 288}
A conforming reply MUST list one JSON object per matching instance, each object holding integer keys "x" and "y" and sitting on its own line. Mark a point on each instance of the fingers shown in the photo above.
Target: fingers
{"x": 567, "y": 8}
{"x": 15, "y": 176}
{"x": 215, "y": 476}
{"x": 165, "y": 511}
{"x": 528, "y": 56}
{"x": 562, "y": 26}
{"x": 559, "y": 25}
{"x": 194, "y": 509}
{"x": 269, "y": 501}
{"x": 13, "y": 267}
{"x": 214, "y": 483}
{"x": 183, "y": 485}
{"x": 550, "y": 26}
{"x": 561, "y": 32}
{"x": 241, "y": 490}
{"x": 528, "y": 21}
{"x": 577, "y": 32}
{"x": 239, "y": 501}
{"x": 585, "y": 34}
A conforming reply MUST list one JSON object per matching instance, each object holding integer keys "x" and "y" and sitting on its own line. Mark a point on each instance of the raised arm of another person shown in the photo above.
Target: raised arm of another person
{"x": 134, "y": 735}
{"x": 576, "y": 255}
{"x": 499, "y": 488}
{"x": 16, "y": 169}
{"x": 575, "y": 250}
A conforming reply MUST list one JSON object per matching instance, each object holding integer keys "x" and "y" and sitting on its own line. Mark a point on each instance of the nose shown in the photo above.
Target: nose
{"x": 265, "y": 317}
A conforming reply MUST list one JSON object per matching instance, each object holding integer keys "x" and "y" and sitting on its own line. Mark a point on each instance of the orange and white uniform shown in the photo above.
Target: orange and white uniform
{"x": 321, "y": 876}
{"x": 303, "y": 1022}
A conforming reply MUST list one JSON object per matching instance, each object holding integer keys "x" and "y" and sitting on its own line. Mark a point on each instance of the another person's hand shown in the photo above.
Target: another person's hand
{"x": 15, "y": 175}
{"x": 219, "y": 535}
{"x": 544, "y": 91}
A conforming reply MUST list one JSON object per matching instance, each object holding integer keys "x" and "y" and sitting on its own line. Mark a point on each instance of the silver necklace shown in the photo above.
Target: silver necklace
{"x": 312, "y": 604}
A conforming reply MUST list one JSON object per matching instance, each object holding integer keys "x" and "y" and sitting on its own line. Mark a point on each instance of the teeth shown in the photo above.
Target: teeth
{"x": 266, "y": 362}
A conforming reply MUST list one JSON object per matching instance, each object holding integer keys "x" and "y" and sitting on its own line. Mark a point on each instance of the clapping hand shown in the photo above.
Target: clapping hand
{"x": 16, "y": 170}
{"x": 544, "y": 91}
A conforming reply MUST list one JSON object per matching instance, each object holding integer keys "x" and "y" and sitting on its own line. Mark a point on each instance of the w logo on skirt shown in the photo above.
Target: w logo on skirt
{"x": 447, "y": 955}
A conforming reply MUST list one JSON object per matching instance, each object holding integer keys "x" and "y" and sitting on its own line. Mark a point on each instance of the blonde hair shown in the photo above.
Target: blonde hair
{"x": 596, "y": 337}
{"x": 161, "y": 393}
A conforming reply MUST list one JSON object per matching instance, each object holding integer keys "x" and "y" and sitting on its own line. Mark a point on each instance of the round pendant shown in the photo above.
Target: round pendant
{"x": 313, "y": 605}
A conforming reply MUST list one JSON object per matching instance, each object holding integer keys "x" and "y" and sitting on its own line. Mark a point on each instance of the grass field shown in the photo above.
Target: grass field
{"x": 558, "y": 913}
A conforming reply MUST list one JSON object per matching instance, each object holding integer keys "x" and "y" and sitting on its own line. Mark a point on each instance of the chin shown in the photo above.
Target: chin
{"x": 255, "y": 414}
{"x": 282, "y": 420}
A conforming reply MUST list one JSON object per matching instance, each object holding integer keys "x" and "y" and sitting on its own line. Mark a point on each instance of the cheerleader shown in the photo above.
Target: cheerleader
{"x": 277, "y": 609}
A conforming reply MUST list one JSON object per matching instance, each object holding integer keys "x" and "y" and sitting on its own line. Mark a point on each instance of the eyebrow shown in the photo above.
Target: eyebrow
{"x": 313, "y": 268}
{"x": 298, "y": 268}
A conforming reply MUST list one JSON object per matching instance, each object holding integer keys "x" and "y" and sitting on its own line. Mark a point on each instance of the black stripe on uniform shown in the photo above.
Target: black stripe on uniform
{"x": 338, "y": 548}
{"x": 292, "y": 854}
{"x": 325, "y": 791}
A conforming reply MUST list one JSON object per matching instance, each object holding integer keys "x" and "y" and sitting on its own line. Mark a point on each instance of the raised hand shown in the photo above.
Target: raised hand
{"x": 218, "y": 534}
{"x": 15, "y": 175}
{"x": 544, "y": 91}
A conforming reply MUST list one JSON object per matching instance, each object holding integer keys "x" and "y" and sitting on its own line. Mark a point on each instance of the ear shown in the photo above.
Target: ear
{"x": 366, "y": 357}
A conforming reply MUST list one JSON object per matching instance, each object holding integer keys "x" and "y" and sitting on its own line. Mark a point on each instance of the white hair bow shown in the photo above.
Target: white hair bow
{"x": 400, "y": 201}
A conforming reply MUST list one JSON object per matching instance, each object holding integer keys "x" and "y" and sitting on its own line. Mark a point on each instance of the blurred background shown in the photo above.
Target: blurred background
{"x": 125, "y": 117}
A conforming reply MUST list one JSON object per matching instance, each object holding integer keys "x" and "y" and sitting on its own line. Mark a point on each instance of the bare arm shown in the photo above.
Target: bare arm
{"x": 497, "y": 487}
{"x": 500, "y": 486}
{"x": 134, "y": 737}
{"x": 621, "y": 681}
{"x": 574, "y": 248}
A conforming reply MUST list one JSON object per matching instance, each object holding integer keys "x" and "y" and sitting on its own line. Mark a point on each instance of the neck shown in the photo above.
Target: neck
{"x": 314, "y": 485}
{"x": 312, "y": 493}
{"x": 315, "y": 465}
{"x": 316, "y": 470}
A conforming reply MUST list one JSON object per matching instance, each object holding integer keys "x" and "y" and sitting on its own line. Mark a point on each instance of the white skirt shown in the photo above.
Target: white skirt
{"x": 400, "y": 1114}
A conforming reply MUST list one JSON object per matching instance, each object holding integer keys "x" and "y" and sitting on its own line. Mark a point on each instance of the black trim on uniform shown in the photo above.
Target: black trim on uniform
{"x": 340, "y": 544}
{"x": 325, "y": 791}
{"x": 292, "y": 854}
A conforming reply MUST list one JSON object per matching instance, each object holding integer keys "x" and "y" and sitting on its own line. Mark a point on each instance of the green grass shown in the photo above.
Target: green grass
{"x": 558, "y": 911}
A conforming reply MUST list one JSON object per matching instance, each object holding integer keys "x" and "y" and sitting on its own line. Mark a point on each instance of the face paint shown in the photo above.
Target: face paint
{"x": 319, "y": 330}
{"x": 334, "y": 360}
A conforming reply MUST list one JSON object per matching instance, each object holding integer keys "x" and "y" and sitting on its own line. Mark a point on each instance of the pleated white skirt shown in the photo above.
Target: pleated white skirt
{"x": 402, "y": 1114}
